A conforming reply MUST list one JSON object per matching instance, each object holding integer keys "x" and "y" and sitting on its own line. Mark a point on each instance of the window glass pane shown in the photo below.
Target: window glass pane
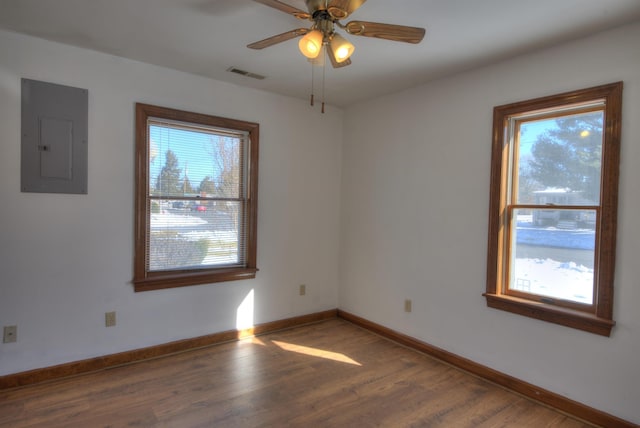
{"x": 553, "y": 262}
{"x": 559, "y": 160}
{"x": 199, "y": 165}
{"x": 190, "y": 162}
{"x": 200, "y": 234}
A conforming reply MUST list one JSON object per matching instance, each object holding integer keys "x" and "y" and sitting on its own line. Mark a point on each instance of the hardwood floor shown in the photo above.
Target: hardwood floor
{"x": 329, "y": 374}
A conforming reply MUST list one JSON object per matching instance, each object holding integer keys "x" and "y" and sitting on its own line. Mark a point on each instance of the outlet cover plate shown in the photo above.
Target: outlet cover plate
{"x": 10, "y": 334}
{"x": 109, "y": 319}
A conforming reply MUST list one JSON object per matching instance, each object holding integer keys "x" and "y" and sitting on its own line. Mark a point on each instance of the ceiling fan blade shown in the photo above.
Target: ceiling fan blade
{"x": 340, "y": 9}
{"x": 283, "y": 7}
{"x": 270, "y": 41}
{"x": 398, "y": 33}
{"x": 335, "y": 63}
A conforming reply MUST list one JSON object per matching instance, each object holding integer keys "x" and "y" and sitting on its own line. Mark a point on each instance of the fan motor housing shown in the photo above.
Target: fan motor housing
{"x": 315, "y": 5}
{"x": 319, "y": 7}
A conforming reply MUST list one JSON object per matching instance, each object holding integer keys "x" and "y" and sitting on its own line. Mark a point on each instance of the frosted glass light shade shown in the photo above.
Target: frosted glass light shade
{"x": 341, "y": 49}
{"x": 311, "y": 44}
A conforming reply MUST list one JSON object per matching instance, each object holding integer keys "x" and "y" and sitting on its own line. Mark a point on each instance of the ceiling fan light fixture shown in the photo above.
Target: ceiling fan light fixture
{"x": 341, "y": 48}
{"x": 321, "y": 37}
{"x": 311, "y": 44}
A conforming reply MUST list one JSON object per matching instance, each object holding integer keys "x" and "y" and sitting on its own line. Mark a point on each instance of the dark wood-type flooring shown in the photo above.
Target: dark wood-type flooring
{"x": 329, "y": 374}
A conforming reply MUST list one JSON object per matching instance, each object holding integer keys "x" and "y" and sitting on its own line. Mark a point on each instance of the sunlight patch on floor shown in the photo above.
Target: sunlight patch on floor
{"x": 314, "y": 352}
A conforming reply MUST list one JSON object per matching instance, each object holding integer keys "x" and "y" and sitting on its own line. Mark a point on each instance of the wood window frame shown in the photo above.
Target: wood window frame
{"x": 145, "y": 280}
{"x": 599, "y": 318}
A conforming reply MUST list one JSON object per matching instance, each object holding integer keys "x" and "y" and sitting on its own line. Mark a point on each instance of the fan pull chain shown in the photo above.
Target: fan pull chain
{"x": 312, "y": 80}
{"x": 324, "y": 67}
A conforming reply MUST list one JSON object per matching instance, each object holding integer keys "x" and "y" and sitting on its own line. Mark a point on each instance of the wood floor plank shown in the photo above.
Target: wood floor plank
{"x": 329, "y": 374}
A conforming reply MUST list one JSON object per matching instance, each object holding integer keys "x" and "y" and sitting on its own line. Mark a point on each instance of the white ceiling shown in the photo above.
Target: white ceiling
{"x": 206, "y": 37}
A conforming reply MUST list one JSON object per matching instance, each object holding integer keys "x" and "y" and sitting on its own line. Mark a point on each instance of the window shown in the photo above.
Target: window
{"x": 196, "y": 198}
{"x": 553, "y": 204}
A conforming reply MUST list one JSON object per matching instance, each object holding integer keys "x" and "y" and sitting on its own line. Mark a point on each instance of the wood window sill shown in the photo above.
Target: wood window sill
{"x": 557, "y": 315}
{"x": 158, "y": 281}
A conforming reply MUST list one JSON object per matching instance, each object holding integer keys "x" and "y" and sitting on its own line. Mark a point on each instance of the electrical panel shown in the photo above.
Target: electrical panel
{"x": 54, "y": 146}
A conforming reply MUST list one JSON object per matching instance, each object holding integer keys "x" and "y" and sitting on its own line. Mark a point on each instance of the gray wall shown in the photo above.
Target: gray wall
{"x": 65, "y": 260}
{"x": 415, "y": 217}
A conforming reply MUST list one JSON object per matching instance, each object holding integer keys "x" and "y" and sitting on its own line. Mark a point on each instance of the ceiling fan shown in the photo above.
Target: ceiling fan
{"x": 325, "y": 16}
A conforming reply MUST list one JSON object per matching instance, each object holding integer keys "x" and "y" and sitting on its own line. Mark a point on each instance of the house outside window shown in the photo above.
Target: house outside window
{"x": 553, "y": 205}
{"x": 196, "y": 198}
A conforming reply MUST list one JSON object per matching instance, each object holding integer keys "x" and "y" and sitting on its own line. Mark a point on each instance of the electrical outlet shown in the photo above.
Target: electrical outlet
{"x": 407, "y": 305}
{"x": 10, "y": 334}
{"x": 303, "y": 289}
{"x": 109, "y": 319}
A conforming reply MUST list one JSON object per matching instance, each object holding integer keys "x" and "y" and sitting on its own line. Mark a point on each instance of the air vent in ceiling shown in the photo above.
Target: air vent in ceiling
{"x": 245, "y": 73}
